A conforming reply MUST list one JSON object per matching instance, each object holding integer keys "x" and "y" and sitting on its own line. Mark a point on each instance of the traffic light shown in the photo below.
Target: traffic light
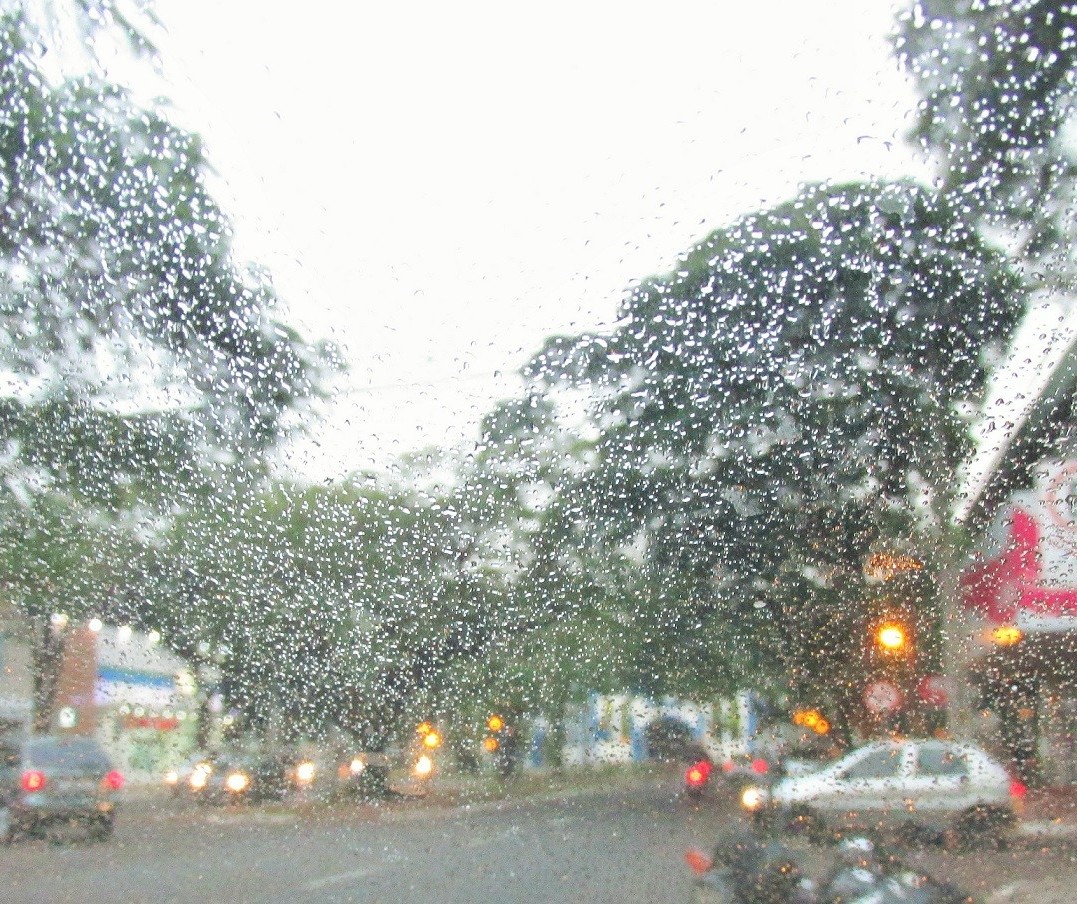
{"x": 495, "y": 723}
{"x": 490, "y": 744}
{"x": 812, "y": 719}
{"x": 892, "y": 639}
{"x": 429, "y": 736}
{"x": 1006, "y": 635}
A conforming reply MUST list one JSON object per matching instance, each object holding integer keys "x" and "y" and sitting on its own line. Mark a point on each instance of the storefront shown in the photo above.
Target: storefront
{"x": 1021, "y": 592}
{"x": 137, "y": 698}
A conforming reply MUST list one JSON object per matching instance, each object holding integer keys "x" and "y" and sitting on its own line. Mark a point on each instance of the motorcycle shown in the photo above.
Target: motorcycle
{"x": 753, "y": 870}
{"x": 864, "y": 875}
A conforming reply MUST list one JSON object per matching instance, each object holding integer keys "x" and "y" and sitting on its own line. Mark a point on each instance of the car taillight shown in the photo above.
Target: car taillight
{"x": 1018, "y": 788}
{"x": 728, "y": 766}
{"x": 697, "y": 861}
{"x": 33, "y": 780}
{"x": 760, "y": 767}
{"x": 114, "y": 780}
{"x": 697, "y": 774}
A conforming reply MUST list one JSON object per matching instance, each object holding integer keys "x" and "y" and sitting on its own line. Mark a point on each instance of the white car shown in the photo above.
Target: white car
{"x": 913, "y": 785}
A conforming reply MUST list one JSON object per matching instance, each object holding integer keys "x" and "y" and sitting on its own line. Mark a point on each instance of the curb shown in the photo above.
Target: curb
{"x": 1041, "y": 828}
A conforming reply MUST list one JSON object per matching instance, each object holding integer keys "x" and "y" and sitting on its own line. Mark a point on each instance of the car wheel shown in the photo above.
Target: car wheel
{"x": 101, "y": 828}
{"x": 913, "y": 835}
{"x": 808, "y": 824}
{"x": 980, "y": 826}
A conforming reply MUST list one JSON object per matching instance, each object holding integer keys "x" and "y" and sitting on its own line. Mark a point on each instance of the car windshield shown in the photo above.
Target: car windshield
{"x": 884, "y": 763}
{"x": 938, "y": 760}
{"x": 503, "y": 452}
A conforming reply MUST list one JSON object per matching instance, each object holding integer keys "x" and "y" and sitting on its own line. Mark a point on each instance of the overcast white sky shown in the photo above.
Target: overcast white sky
{"x": 438, "y": 187}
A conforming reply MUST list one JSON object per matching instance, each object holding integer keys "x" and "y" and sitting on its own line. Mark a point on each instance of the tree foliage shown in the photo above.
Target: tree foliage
{"x": 783, "y": 402}
{"x": 139, "y": 361}
{"x": 998, "y": 80}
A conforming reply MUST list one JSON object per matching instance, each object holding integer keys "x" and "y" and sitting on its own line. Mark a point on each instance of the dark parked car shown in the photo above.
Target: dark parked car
{"x": 235, "y": 776}
{"x": 48, "y": 783}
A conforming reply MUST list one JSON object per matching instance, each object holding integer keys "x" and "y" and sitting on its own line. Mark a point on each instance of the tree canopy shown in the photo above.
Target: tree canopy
{"x": 783, "y": 402}
{"x": 998, "y": 80}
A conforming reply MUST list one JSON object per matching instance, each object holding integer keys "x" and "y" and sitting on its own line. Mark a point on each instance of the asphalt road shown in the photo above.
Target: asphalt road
{"x": 602, "y": 846}
{"x": 619, "y": 845}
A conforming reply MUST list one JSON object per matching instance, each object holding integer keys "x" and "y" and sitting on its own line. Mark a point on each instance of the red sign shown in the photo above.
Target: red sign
{"x": 934, "y": 690}
{"x": 1032, "y": 575}
{"x": 157, "y": 723}
{"x": 883, "y": 697}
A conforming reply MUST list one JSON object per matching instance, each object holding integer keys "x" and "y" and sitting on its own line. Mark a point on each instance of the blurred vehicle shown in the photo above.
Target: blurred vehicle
{"x": 178, "y": 780}
{"x": 214, "y": 778}
{"x": 364, "y": 774}
{"x": 49, "y": 782}
{"x": 730, "y": 776}
{"x": 275, "y": 775}
{"x": 232, "y": 776}
{"x": 753, "y": 870}
{"x": 920, "y": 787}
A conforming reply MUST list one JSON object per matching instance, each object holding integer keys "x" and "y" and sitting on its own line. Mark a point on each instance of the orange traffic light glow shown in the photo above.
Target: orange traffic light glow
{"x": 490, "y": 744}
{"x": 495, "y": 723}
{"x": 813, "y": 719}
{"x": 1006, "y": 635}
{"x": 891, "y": 637}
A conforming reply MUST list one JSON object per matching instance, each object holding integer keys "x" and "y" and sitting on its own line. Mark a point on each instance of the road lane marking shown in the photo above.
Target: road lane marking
{"x": 338, "y": 878}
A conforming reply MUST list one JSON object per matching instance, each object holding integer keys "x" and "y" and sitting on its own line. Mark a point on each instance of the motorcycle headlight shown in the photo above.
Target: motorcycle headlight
{"x": 304, "y": 773}
{"x": 357, "y": 766}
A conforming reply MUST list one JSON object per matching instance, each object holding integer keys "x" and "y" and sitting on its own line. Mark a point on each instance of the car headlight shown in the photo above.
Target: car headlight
{"x": 304, "y": 773}
{"x": 171, "y": 777}
{"x": 357, "y": 766}
{"x": 198, "y": 780}
{"x": 752, "y": 798}
{"x": 237, "y": 782}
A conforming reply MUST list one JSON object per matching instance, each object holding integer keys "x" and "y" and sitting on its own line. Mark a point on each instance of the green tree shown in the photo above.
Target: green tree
{"x": 142, "y": 364}
{"x": 997, "y": 82}
{"x": 786, "y": 400}
{"x": 323, "y": 606}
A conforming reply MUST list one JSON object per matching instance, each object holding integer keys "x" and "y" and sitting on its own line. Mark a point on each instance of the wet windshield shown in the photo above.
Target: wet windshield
{"x": 596, "y": 452}
{"x": 67, "y": 753}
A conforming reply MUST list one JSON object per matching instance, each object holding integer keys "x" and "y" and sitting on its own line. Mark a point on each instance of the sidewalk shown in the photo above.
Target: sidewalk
{"x": 458, "y": 789}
